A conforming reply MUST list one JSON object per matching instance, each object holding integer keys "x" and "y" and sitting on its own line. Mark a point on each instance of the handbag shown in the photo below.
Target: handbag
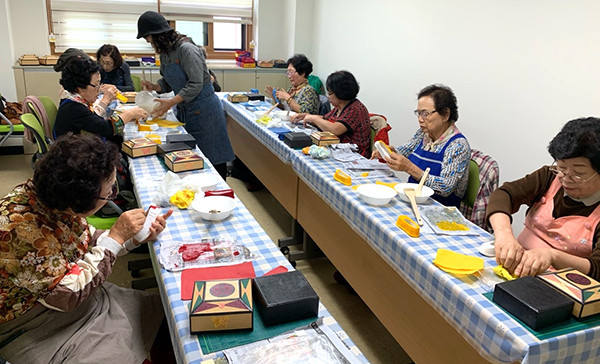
{"x": 12, "y": 110}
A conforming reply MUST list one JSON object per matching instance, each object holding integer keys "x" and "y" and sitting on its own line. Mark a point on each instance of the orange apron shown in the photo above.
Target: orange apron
{"x": 572, "y": 234}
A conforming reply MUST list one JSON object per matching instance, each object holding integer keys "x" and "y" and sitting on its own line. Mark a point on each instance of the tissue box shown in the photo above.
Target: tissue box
{"x": 221, "y": 305}
{"x": 183, "y": 160}
{"x": 285, "y": 297}
{"x": 297, "y": 140}
{"x": 139, "y": 147}
{"x": 321, "y": 138}
{"x": 583, "y": 290}
{"x": 182, "y": 138}
{"x": 171, "y": 147}
{"x": 533, "y": 302}
{"x": 237, "y": 97}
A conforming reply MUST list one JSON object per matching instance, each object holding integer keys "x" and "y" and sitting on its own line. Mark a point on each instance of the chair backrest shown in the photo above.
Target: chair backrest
{"x": 51, "y": 111}
{"x": 473, "y": 186}
{"x": 324, "y": 106}
{"x": 33, "y": 125}
{"x": 137, "y": 83}
{"x": 488, "y": 177}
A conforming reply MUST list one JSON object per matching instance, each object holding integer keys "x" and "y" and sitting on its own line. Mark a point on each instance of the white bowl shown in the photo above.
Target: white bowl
{"x": 214, "y": 208}
{"x": 426, "y": 192}
{"x": 375, "y": 194}
{"x": 206, "y": 182}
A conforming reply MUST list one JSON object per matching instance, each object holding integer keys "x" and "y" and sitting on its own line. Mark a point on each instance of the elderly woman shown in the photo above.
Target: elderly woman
{"x": 561, "y": 225}
{"x": 54, "y": 296}
{"x": 301, "y": 97}
{"x": 349, "y": 119}
{"x": 114, "y": 71}
{"x": 184, "y": 71}
{"x": 80, "y": 78}
{"x": 437, "y": 145}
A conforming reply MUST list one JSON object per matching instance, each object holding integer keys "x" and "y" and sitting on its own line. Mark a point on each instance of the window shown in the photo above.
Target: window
{"x": 222, "y": 26}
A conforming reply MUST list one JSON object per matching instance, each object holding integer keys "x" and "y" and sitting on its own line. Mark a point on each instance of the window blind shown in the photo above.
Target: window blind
{"x": 229, "y": 11}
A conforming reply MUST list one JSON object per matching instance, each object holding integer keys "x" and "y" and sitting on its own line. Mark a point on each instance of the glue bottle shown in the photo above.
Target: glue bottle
{"x": 150, "y": 217}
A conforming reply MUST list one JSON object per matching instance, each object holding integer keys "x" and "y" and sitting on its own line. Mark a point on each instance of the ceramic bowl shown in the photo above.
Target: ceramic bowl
{"x": 375, "y": 194}
{"x": 214, "y": 208}
{"x": 426, "y": 192}
{"x": 205, "y": 182}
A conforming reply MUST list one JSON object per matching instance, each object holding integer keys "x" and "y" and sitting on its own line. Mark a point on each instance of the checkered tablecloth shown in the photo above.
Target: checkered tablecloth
{"x": 147, "y": 173}
{"x": 498, "y": 337}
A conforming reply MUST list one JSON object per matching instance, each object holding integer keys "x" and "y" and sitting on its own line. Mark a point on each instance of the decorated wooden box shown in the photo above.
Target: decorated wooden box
{"x": 237, "y": 97}
{"x": 221, "y": 305}
{"x": 583, "y": 290}
{"x": 139, "y": 147}
{"x": 321, "y": 138}
{"x": 183, "y": 160}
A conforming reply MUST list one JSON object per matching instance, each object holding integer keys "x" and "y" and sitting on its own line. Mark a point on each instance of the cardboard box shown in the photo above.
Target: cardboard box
{"x": 171, "y": 147}
{"x": 285, "y": 297}
{"x": 321, "y": 138}
{"x": 182, "y": 138}
{"x": 297, "y": 140}
{"x": 221, "y": 305}
{"x": 533, "y": 302}
{"x": 583, "y": 290}
{"x": 139, "y": 147}
{"x": 48, "y": 60}
{"x": 183, "y": 160}
{"x": 237, "y": 97}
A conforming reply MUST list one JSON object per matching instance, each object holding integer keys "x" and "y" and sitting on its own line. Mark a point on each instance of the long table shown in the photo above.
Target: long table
{"x": 435, "y": 316}
{"x": 183, "y": 225}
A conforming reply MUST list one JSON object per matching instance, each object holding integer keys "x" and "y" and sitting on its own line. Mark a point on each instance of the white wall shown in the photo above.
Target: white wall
{"x": 520, "y": 69}
{"x": 7, "y": 83}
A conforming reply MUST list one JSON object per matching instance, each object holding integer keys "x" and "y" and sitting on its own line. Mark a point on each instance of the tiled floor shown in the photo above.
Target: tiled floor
{"x": 349, "y": 310}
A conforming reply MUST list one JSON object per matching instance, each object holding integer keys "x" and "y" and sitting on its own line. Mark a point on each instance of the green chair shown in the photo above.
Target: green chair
{"x": 137, "y": 83}
{"x": 31, "y": 123}
{"x": 473, "y": 186}
{"x": 50, "y": 109}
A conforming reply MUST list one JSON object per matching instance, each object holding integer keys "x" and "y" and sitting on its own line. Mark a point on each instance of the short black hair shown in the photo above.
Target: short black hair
{"x": 71, "y": 174}
{"x": 77, "y": 73}
{"x": 578, "y": 138}
{"x": 302, "y": 65}
{"x": 444, "y": 100}
{"x": 343, "y": 85}
{"x": 113, "y": 52}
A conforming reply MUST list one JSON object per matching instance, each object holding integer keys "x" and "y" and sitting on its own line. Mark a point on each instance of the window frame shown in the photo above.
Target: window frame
{"x": 210, "y": 51}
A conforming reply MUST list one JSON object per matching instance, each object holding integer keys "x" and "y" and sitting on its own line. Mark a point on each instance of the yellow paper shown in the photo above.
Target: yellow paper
{"x": 389, "y": 184}
{"x": 503, "y": 273}
{"x": 164, "y": 123}
{"x": 457, "y": 263}
{"x": 182, "y": 198}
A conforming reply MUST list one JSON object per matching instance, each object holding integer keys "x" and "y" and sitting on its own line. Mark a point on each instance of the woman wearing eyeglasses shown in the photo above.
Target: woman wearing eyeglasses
{"x": 54, "y": 295}
{"x": 114, "y": 71}
{"x": 438, "y": 145}
{"x": 78, "y": 112}
{"x": 561, "y": 225}
{"x": 301, "y": 97}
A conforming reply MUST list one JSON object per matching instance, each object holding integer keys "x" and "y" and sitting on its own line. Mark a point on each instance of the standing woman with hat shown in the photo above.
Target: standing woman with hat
{"x": 183, "y": 70}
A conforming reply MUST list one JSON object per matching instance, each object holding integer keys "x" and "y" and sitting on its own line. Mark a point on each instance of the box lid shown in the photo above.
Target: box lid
{"x": 278, "y": 289}
{"x": 575, "y": 284}
{"x": 139, "y": 143}
{"x": 182, "y": 156}
{"x": 221, "y": 296}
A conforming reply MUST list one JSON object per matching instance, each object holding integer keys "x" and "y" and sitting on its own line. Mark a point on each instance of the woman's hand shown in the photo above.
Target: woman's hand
{"x": 397, "y": 161}
{"x": 109, "y": 93}
{"x": 149, "y": 86}
{"x": 133, "y": 114}
{"x": 269, "y": 91}
{"x": 297, "y": 118}
{"x": 162, "y": 108}
{"x": 507, "y": 248}
{"x": 282, "y": 95}
{"x": 127, "y": 225}
{"x": 157, "y": 227}
{"x": 534, "y": 262}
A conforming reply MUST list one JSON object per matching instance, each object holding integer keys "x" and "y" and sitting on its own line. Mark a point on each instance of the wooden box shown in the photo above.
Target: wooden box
{"x": 237, "y": 97}
{"x": 297, "y": 140}
{"x": 533, "y": 302}
{"x": 171, "y": 147}
{"x": 583, "y": 290}
{"x": 183, "y": 160}
{"x": 321, "y": 138}
{"x": 29, "y": 60}
{"x": 49, "y": 60}
{"x": 221, "y": 305}
{"x": 139, "y": 147}
{"x": 285, "y": 297}
{"x": 182, "y": 138}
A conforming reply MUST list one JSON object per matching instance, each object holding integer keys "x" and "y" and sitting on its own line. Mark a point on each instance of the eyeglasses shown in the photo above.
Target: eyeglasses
{"x": 424, "y": 113}
{"x": 113, "y": 193}
{"x": 574, "y": 177}
{"x": 95, "y": 86}
{"x": 106, "y": 63}
{"x": 290, "y": 72}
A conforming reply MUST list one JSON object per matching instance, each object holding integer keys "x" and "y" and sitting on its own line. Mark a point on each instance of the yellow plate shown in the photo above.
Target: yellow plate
{"x": 457, "y": 263}
{"x": 342, "y": 177}
{"x": 408, "y": 225}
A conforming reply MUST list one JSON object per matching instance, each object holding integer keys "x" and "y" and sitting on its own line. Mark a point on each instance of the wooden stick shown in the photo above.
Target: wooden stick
{"x": 268, "y": 111}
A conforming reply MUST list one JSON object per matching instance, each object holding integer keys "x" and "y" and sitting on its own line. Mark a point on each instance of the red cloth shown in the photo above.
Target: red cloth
{"x": 280, "y": 269}
{"x": 189, "y": 276}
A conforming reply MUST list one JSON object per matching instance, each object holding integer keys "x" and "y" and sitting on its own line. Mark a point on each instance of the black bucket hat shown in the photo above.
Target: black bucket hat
{"x": 152, "y": 22}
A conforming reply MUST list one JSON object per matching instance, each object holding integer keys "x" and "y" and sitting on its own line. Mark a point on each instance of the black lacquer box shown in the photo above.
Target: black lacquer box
{"x": 182, "y": 138}
{"x": 285, "y": 297}
{"x": 533, "y": 302}
{"x": 297, "y": 140}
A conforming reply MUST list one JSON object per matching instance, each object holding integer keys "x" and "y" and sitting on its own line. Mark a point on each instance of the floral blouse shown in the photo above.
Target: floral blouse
{"x": 307, "y": 98}
{"x": 47, "y": 256}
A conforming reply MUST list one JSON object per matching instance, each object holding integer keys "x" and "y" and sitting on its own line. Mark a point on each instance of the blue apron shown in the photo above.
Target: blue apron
{"x": 423, "y": 159}
{"x": 203, "y": 117}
